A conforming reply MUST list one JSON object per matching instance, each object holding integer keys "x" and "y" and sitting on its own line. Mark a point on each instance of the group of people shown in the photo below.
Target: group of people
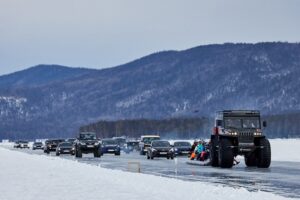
{"x": 199, "y": 151}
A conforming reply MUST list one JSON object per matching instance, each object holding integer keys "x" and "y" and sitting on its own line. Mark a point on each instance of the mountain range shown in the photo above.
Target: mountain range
{"x": 52, "y": 100}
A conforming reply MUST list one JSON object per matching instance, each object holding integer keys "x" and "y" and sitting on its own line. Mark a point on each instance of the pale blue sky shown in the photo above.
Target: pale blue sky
{"x": 99, "y": 34}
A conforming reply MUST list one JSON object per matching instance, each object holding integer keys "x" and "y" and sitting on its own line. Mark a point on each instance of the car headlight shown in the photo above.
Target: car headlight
{"x": 97, "y": 143}
{"x": 154, "y": 149}
{"x": 176, "y": 149}
{"x": 232, "y": 133}
{"x": 171, "y": 149}
{"x": 82, "y": 143}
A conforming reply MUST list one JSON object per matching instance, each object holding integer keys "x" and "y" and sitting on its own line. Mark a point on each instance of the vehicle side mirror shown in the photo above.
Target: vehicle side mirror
{"x": 264, "y": 124}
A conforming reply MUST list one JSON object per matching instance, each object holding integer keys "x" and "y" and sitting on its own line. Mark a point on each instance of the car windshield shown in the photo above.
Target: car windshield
{"x": 71, "y": 140}
{"x": 160, "y": 144}
{"x": 182, "y": 144}
{"x": 237, "y": 123}
{"x": 148, "y": 140}
{"x": 38, "y": 143}
{"x": 65, "y": 144}
{"x": 24, "y": 142}
{"x": 87, "y": 136}
{"x": 57, "y": 141}
{"x": 109, "y": 142}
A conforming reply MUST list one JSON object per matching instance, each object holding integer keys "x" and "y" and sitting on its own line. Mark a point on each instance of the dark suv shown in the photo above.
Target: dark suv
{"x": 51, "y": 145}
{"x": 37, "y": 145}
{"x": 182, "y": 148}
{"x": 65, "y": 148}
{"x": 110, "y": 146}
{"x": 87, "y": 142}
{"x": 239, "y": 132}
{"x": 160, "y": 148}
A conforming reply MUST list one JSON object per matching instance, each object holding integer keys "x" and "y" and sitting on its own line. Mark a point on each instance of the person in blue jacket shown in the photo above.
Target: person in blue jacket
{"x": 199, "y": 149}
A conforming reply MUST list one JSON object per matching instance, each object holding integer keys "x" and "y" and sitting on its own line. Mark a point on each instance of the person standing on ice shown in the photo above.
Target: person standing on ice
{"x": 199, "y": 149}
{"x": 193, "y": 152}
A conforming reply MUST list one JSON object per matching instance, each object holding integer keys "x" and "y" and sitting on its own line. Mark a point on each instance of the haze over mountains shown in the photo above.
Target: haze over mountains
{"x": 51, "y": 100}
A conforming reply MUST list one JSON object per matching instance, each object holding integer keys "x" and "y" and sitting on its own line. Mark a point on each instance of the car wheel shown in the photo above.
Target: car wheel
{"x": 97, "y": 153}
{"x": 78, "y": 153}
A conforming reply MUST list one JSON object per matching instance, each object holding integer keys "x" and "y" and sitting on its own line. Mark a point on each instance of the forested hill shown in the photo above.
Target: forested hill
{"x": 51, "y": 101}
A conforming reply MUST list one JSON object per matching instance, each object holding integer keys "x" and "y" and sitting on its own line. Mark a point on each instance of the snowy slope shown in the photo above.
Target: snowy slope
{"x": 25, "y": 176}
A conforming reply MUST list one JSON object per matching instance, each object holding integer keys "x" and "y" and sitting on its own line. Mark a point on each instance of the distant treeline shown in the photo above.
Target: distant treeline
{"x": 279, "y": 126}
{"x": 283, "y": 126}
{"x": 184, "y": 128}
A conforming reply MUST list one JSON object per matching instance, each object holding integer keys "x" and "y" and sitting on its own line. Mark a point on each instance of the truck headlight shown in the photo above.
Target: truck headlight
{"x": 257, "y": 134}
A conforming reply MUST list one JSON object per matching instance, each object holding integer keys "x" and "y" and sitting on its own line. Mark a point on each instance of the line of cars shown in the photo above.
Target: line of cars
{"x": 21, "y": 144}
{"x": 87, "y": 142}
{"x": 152, "y": 146}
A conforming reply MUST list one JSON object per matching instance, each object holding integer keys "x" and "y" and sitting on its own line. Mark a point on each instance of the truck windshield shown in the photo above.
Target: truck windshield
{"x": 245, "y": 122}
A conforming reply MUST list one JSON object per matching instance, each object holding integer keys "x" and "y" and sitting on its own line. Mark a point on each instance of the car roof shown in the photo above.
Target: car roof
{"x": 160, "y": 141}
{"x": 87, "y": 133}
{"x": 182, "y": 142}
{"x": 108, "y": 139}
{"x": 143, "y": 136}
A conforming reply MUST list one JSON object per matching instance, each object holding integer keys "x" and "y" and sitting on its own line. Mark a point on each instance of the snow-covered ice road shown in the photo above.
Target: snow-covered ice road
{"x": 282, "y": 178}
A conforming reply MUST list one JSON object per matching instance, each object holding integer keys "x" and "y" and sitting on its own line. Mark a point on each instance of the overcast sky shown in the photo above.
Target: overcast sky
{"x": 99, "y": 34}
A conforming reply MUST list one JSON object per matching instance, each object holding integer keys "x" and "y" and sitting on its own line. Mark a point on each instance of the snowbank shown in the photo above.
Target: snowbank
{"x": 28, "y": 177}
{"x": 285, "y": 150}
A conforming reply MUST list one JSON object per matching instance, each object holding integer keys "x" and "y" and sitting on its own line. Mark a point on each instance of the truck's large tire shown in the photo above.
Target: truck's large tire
{"x": 214, "y": 153}
{"x": 264, "y": 154}
{"x": 78, "y": 153}
{"x": 250, "y": 160}
{"x": 226, "y": 155}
